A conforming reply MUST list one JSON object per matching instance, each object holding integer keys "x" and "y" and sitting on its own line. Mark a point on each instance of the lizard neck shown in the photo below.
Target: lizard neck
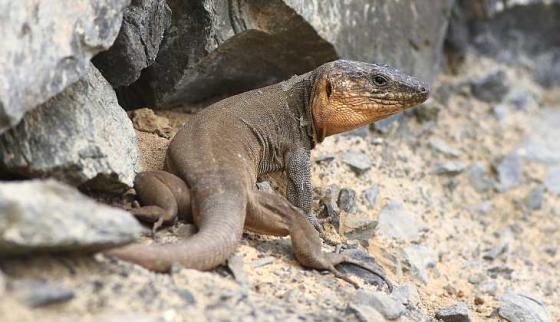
{"x": 300, "y": 93}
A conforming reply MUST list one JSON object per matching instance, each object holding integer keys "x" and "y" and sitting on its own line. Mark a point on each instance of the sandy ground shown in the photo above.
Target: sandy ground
{"x": 458, "y": 232}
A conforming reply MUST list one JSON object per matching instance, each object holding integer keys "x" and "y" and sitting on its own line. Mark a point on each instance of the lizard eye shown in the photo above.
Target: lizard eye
{"x": 328, "y": 89}
{"x": 379, "y": 80}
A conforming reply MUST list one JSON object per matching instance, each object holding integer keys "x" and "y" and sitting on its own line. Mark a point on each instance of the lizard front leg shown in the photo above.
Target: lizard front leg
{"x": 298, "y": 192}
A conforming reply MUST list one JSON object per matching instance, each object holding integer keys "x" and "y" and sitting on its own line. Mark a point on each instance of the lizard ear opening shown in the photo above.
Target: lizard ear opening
{"x": 328, "y": 88}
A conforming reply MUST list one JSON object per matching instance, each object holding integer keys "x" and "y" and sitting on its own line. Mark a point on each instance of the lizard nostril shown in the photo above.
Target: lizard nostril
{"x": 423, "y": 89}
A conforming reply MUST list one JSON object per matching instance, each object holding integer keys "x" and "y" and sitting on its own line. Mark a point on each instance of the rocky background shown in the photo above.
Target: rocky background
{"x": 457, "y": 199}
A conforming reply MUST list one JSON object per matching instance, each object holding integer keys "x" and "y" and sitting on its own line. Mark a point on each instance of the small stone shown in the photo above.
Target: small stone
{"x": 521, "y": 308}
{"x": 395, "y": 222}
{"x": 489, "y": 287}
{"x": 407, "y": 294}
{"x": 492, "y": 88}
{"x": 370, "y": 196}
{"x": 506, "y": 238}
{"x": 145, "y": 120}
{"x": 500, "y": 111}
{"x": 326, "y": 157}
{"x": 420, "y": 258}
{"x": 441, "y": 146}
{"x": 263, "y": 261}
{"x": 510, "y": 172}
{"x": 359, "y": 162}
{"x": 535, "y": 198}
{"x": 456, "y": 313}
{"x": 451, "y": 168}
{"x": 366, "y": 313}
{"x": 551, "y": 250}
{"x": 522, "y": 100}
{"x": 347, "y": 200}
{"x": 265, "y": 186}
{"x": 476, "y": 278}
{"x": 479, "y": 178}
{"x": 236, "y": 266}
{"x": 484, "y": 207}
{"x": 552, "y": 182}
{"x": 381, "y": 302}
{"x": 36, "y": 293}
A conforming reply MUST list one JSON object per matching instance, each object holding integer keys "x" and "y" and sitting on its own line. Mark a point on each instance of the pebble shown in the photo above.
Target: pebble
{"x": 451, "y": 168}
{"x": 492, "y": 88}
{"x": 381, "y": 302}
{"x": 505, "y": 239}
{"x": 263, "y": 261}
{"x": 396, "y": 222}
{"x": 420, "y": 258}
{"x": 500, "y": 111}
{"x": 347, "y": 200}
{"x": 366, "y": 313}
{"x": 359, "y": 162}
{"x": 456, "y": 313}
{"x": 36, "y": 293}
{"x": 236, "y": 266}
{"x": 407, "y": 294}
{"x": 479, "y": 178}
{"x": 443, "y": 147}
{"x": 510, "y": 172}
{"x": 265, "y": 186}
{"x": 522, "y": 308}
{"x": 535, "y": 198}
{"x": 489, "y": 287}
{"x": 370, "y": 196}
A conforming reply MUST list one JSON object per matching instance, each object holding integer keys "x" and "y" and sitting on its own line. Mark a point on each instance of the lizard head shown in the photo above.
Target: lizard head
{"x": 349, "y": 94}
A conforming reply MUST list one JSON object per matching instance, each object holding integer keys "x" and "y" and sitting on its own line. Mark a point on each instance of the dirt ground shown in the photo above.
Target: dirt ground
{"x": 461, "y": 224}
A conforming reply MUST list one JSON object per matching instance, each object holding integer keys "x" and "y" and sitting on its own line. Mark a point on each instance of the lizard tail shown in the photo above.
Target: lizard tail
{"x": 220, "y": 220}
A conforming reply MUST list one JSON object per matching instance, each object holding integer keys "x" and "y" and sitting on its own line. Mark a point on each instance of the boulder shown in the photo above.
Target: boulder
{"x": 217, "y": 48}
{"x": 517, "y": 32}
{"x": 81, "y": 137}
{"x": 48, "y": 216}
{"x": 46, "y": 46}
{"x": 137, "y": 44}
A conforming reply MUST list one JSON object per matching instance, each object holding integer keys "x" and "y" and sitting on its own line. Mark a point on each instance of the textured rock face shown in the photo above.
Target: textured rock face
{"x": 137, "y": 44}
{"x": 218, "y": 47}
{"x": 81, "y": 137}
{"x": 46, "y": 45}
{"x": 518, "y": 32}
{"x": 58, "y": 218}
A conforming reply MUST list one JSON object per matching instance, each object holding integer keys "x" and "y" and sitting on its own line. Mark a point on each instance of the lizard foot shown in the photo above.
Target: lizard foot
{"x": 334, "y": 259}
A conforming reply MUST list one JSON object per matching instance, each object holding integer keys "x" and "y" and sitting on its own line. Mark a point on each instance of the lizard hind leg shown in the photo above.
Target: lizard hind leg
{"x": 162, "y": 195}
{"x": 271, "y": 213}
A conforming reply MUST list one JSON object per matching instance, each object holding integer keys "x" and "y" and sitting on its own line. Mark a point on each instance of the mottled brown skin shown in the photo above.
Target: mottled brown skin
{"x": 215, "y": 160}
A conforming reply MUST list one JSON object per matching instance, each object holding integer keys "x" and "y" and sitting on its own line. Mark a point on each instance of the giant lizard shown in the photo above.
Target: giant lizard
{"x": 214, "y": 161}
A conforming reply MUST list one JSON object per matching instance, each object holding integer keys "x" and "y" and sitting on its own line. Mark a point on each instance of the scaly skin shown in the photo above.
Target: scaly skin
{"x": 215, "y": 160}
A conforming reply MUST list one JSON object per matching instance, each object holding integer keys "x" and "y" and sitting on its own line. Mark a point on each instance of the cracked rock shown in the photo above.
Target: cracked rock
{"x": 81, "y": 137}
{"x": 137, "y": 44}
{"x": 58, "y": 218}
{"x": 521, "y": 308}
{"x": 46, "y": 46}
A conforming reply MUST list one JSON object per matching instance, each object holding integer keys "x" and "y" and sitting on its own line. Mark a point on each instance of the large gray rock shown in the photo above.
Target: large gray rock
{"x": 81, "y": 137}
{"x": 46, "y": 45}
{"x": 137, "y": 44}
{"x": 218, "y": 47}
{"x": 521, "y": 308}
{"x": 38, "y": 216}
{"x": 510, "y": 31}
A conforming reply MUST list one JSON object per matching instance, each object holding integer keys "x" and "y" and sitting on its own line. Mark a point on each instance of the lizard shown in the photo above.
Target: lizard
{"x": 214, "y": 161}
